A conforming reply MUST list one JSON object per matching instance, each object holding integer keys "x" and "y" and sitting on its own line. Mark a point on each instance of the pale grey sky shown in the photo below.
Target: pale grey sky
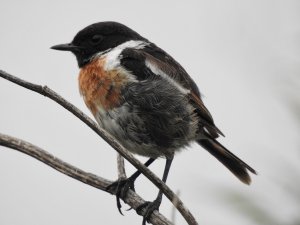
{"x": 244, "y": 56}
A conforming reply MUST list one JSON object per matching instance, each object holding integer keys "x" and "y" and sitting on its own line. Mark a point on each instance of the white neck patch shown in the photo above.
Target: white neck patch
{"x": 113, "y": 55}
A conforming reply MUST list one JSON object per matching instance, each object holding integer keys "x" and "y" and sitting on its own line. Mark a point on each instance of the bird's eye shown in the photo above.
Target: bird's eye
{"x": 96, "y": 39}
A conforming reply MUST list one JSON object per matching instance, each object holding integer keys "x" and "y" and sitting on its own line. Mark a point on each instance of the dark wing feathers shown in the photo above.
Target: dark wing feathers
{"x": 134, "y": 61}
{"x": 207, "y": 119}
{"x": 171, "y": 67}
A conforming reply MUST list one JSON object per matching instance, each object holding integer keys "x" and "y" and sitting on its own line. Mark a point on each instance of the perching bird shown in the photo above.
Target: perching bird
{"x": 145, "y": 99}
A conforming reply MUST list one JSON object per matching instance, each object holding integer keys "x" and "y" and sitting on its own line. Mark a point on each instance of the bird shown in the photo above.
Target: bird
{"x": 146, "y": 100}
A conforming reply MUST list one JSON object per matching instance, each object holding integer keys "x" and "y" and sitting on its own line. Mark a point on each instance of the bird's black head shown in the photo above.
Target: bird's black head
{"x": 97, "y": 38}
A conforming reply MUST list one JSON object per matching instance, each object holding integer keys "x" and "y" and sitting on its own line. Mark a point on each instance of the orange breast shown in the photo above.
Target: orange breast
{"x": 101, "y": 88}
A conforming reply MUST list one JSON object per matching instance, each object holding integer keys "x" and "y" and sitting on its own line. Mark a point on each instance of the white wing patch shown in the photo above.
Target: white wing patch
{"x": 159, "y": 72}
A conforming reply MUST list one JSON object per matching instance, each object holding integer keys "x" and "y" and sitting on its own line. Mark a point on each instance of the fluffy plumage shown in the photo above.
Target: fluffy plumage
{"x": 145, "y": 99}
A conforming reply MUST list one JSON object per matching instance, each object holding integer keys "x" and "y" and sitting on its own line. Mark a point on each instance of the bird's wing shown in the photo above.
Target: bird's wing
{"x": 151, "y": 60}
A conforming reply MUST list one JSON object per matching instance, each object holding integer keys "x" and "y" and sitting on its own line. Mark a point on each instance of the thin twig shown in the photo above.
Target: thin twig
{"x": 173, "y": 212}
{"x": 121, "y": 167}
{"x": 93, "y": 180}
{"x": 44, "y": 90}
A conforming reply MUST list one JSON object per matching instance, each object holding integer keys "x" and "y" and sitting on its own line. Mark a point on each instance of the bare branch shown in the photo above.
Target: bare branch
{"x": 121, "y": 167}
{"x": 44, "y": 90}
{"x": 93, "y": 180}
{"x": 173, "y": 212}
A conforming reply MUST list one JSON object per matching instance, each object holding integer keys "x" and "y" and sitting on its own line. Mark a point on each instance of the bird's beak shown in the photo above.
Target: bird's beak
{"x": 66, "y": 47}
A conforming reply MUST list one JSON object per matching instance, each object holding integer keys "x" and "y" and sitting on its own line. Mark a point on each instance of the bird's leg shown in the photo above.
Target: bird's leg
{"x": 151, "y": 206}
{"x": 121, "y": 186}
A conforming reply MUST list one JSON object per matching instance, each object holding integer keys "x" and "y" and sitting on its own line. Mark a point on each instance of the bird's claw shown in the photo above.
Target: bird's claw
{"x": 120, "y": 188}
{"x": 149, "y": 208}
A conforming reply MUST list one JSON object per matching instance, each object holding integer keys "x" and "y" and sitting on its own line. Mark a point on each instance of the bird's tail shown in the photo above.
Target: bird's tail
{"x": 238, "y": 167}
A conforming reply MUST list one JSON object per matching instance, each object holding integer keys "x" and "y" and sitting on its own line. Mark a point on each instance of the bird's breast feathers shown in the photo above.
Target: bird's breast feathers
{"x": 101, "y": 80}
{"x": 101, "y": 88}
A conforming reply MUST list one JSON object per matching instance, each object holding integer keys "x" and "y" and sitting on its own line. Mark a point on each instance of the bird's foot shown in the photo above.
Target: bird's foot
{"x": 149, "y": 208}
{"x": 121, "y": 187}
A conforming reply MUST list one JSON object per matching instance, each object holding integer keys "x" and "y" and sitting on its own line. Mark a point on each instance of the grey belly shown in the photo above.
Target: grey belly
{"x": 152, "y": 123}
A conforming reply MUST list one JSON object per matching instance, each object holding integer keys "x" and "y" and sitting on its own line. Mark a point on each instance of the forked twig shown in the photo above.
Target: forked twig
{"x": 131, "y": 198}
